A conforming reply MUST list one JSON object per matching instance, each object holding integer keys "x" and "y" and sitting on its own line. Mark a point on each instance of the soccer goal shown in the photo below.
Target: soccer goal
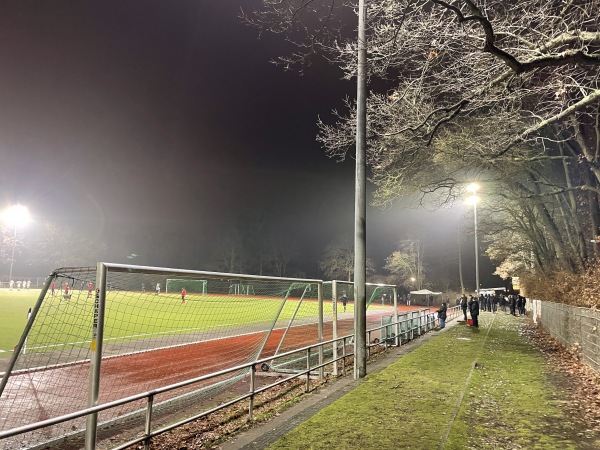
{"x": 241, "y": 289}
{"x": 102, "y": 345}
{"x": 175, "y": 285}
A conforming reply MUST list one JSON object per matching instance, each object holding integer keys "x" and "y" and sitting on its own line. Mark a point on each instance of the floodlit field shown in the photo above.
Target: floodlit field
{"x": 13, "y": 316}
{"x": 136, "y": 316}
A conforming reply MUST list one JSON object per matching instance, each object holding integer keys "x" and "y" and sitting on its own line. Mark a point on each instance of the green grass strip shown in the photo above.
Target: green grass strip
{"x": 465, "y": 388}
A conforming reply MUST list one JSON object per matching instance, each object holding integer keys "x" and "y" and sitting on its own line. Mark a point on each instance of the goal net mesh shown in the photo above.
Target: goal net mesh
{"x": 150, "y": 340}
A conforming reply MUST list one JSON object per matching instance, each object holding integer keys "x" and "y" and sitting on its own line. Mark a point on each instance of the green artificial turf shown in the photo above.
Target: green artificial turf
{"x": 135, "y": 316}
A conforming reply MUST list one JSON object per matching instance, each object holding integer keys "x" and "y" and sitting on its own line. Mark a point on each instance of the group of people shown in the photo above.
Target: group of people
{"x": 67, "y": 289}
{"x": 20, "y": 284}
{"x": 491, "y": 303}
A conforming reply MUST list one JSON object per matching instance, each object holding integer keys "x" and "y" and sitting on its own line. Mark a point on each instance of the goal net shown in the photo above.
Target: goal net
{"x": 175, "y": 285}
{"x": 96, "y": 336}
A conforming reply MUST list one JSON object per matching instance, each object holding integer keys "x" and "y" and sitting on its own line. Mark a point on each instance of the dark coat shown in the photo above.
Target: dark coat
{"x": 442, "y": 312}
{"x": 474, "y": 308}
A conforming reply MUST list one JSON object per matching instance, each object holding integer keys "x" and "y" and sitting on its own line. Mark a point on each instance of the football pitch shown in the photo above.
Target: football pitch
{"x": 137, "y": 316}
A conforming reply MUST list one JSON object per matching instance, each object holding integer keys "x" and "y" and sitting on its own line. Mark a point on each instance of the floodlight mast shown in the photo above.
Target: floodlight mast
{"x": 360, "y": 203}
{"x": 473, "y": 188}
{"x": 15, "y": 216}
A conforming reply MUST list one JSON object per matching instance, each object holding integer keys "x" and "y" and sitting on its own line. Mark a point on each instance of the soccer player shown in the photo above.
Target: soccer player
{"x": 67, "y": 291}
{"x": 157, "y": 288}
{"x": 90, "y": 289}
{"x": 183, "y": 292}
{"x": 53, "y": 287}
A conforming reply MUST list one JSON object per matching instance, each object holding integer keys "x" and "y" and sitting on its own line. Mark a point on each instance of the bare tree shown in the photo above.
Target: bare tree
{"x": 60, "y": 246}
{"x": 229, "y": 252}
{"x": 506, "y": 92}
{"x": 337, "y": 263}
{"x": 282, "y": 250}
{"x": 407, "y": 263}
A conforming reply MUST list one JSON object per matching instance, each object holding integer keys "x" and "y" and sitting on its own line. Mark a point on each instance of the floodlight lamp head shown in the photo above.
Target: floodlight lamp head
{"x": 15, "y": 216}
{"x": 473, "y": 187}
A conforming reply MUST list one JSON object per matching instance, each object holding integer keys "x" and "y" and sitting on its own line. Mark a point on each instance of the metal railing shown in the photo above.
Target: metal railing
{"x": 425, "y": 323}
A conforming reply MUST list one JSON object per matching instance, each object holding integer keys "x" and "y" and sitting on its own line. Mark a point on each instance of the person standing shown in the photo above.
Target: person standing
{"x": 523, "y": 302}
{"x": 482, "y": 302}
{"x": 442, "y": 313}
{"x": 67, "y": 291}
{"x": 464, "y": 305}
{"x": 344, "y": 300}
{"x": 11, "y": 283}
{"x": 474, "y": 310}
{"x": 183, "y": 292}
{"x": 513, "y": 304}
{"x": 157, "y": 288}
{"x": 90, "y": 289}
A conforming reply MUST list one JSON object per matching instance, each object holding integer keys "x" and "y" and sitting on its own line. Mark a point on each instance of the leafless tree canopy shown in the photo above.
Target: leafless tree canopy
{"x": 503, "y": 91}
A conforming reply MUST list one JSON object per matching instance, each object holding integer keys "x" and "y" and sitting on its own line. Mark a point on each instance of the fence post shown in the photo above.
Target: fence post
{"x": 308, "y": 370}
{"x": 252, "y": 387}
{"x": 320, "y": 330}
{"x": 397, "y": 341}
{"x": 148, "y": 425}
{"x": 334, "y": 324}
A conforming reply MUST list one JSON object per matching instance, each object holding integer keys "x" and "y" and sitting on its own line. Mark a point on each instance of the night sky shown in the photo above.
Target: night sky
{"x": 143, "y": 122}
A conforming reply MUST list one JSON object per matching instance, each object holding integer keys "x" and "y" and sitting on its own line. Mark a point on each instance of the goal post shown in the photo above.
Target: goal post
{"x": 192, "y": 286}
{"x": 113, "y": 340}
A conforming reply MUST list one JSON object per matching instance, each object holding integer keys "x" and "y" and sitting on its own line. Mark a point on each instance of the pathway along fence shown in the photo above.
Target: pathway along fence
{"x": 573, "y": 326}
{"x": 115, "y": 349}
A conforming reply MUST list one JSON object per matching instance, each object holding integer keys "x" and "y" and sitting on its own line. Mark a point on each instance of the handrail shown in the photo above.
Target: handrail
{"x": 149, "y": 395}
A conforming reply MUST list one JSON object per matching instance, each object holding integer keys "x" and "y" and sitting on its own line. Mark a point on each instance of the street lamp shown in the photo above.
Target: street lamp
{"x": 473, "y": 199}
{"x": 15, "y": 216}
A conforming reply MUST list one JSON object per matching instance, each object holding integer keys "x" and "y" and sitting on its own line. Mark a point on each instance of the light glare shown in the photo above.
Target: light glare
{"x": 16, "y": 216}
{"x": 473, "y": 187}
{"x": 472, "y": 200}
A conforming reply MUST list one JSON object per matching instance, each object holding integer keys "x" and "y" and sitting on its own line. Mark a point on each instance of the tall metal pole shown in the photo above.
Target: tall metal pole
{"x": 12, "y": 260}
{"x": 360, "y": 204}
{"x": 476, "y": 250}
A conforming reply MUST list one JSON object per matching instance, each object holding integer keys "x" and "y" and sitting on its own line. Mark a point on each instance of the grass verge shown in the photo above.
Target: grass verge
{"x": 466, "y": 388}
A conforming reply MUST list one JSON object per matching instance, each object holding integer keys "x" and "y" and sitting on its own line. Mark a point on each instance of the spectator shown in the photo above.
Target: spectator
{"x": 442, "y": 315}
{"x": 464, "y": 305}
{"x": 474, "y": 310}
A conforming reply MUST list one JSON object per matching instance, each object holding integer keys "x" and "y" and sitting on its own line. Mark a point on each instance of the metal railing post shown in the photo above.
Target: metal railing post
{"x": 397, "y": 341}
{"x": 148, "y": 424}
{"x": 252, "y": 387}
{"x": 308, "y": 370}
{"x": 320, "y": 330}
{"x": 344, "y": 356}
{"x": 334, "y": 324}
